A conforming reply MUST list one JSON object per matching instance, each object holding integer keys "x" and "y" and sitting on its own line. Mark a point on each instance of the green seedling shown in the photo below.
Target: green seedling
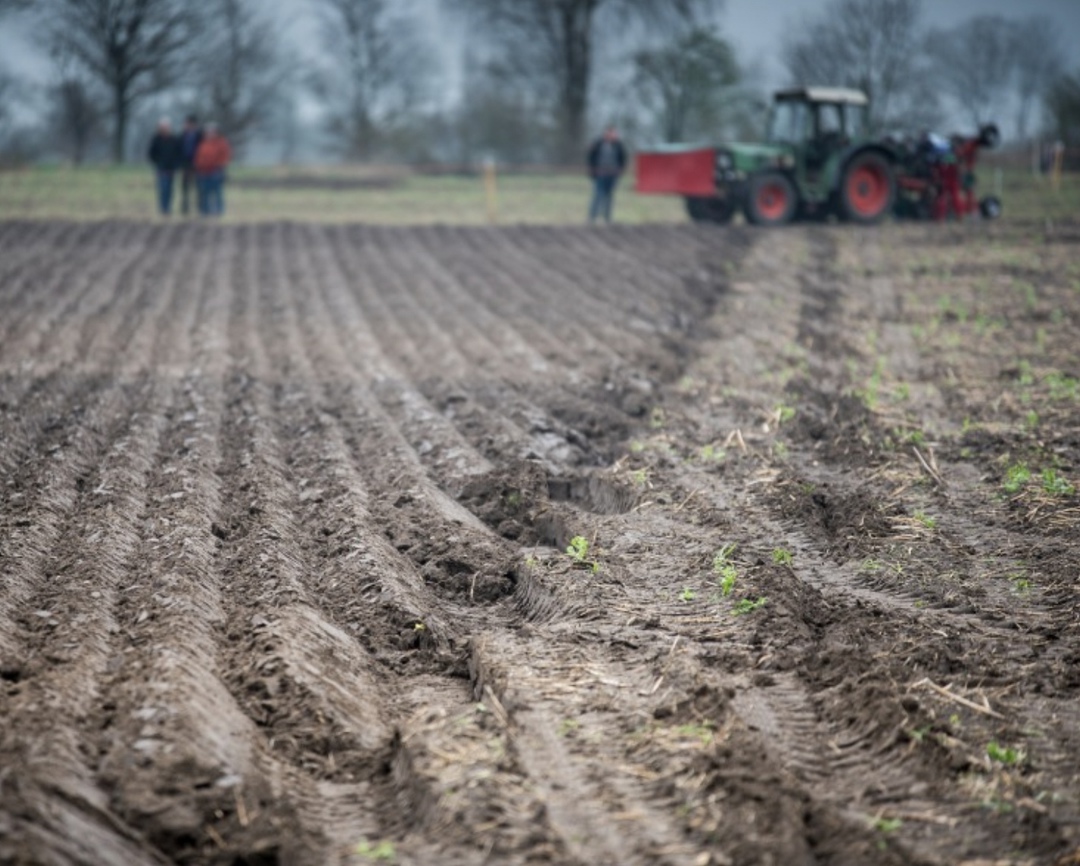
{"x": 723, "y": 557}
{"x": 1032, "y": 419}
{"x": 687, "y": 594}
{"x": 568, "y": 726}
{"x": 784, "y": 414}
{"x": 925, "y": 519}
{"x": 712, "y": 454}
{"x": 419, "y": 627}
{"x": 656, "y": 418}
{"x": 376, "y": 852}
{"x": 640, "y": 477}
{"x": 702, "y": 732}
{"x": 1062, "y": 387}
{"x": 748, "y": 605}
{"x": 1020, "y": 582}
{"x": 579, "y": 552}
{"x": 902, "y": 391}
{"x": 871, "y": 566}
{"x": 781, "y": 556}
{"x": 1016, "y": 476}
{"x": 1056, "y": 485}
{"x": 887, "y": 825}
{"x": 727, "y": 579}
{"x": 1004, "y": 754}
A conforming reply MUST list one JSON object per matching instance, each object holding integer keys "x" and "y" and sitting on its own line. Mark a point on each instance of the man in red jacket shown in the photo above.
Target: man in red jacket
{"x": 211, "y": 160}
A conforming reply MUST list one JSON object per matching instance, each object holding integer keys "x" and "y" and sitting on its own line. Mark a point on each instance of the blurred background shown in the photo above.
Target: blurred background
{"x": 327, "y": 97}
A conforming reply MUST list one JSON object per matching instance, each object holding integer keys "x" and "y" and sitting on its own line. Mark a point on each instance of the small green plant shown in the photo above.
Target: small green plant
{"x": 1004, "y": 754}
{"x": 723, "y": 557}
{"x": 568, "y": 726}
{"x": 784, "y": 414}
{"x": 1062, "y": 387}
{"x": 579, "y": 552}
{"x": 887, "y": 825}
{"x": 902, "y": 391}
{"x": 870, "y": 566}
{"x": 419, "y": 627}
{"x": 376, "y": 852}
{"x": 712, "y": 454}
{"x": 1032, "y": 419}
{"x": 640, "y": 477}
{"x": 1056, "y": 485}
{"x": 782, "y": 556}
{"x": 749, "y": 605}
{"x": 1021, "y": 582}
{"x": 727, "y": 579}
{"x": 656, "y": 418}
{"x": 702, "y": 731}
{"x": 1016, "y": 476}
{"x": 926, "y": 520}
{"x": 687, "y": 594}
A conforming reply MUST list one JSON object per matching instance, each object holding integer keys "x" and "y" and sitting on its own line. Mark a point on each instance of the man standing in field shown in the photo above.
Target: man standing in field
{"x": 190, "y": 138}
{"x": 166, "y": 156}
{"x": 211, "y": 160}
{"x": 607, "y": 160}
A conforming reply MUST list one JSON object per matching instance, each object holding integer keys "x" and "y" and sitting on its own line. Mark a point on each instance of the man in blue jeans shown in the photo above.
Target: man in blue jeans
{"x": 607, "y": 161}
{"x": 167, "y": 156}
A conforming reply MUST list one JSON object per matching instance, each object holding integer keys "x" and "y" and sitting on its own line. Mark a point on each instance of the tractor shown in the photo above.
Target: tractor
{"x": 817, "y": 160}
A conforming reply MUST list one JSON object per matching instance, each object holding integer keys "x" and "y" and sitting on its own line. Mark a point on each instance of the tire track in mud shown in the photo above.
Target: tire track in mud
{"x": 807, "y": 720}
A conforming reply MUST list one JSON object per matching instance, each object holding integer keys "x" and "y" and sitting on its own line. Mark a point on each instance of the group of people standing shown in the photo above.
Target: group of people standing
{"x": 200, "y": 154}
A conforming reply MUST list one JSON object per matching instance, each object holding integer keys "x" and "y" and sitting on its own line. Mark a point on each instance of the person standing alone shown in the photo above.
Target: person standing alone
{"x": 607, "y": 160}
{"x": 211, "y": 160}
{"x": 190, "y": 137}
{"x": 166, "y": 156}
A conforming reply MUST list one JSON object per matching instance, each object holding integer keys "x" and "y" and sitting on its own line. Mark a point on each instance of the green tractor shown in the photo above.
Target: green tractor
{"x": 817, "y": 159}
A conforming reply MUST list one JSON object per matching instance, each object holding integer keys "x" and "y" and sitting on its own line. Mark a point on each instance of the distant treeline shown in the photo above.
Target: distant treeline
{"x": 536, "y": 78}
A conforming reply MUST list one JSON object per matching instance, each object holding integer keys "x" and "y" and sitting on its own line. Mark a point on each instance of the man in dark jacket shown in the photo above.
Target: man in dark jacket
{"x": 190, "y": 138}
{"x": 607, "y": 160}
{"x": 166, "y": 155}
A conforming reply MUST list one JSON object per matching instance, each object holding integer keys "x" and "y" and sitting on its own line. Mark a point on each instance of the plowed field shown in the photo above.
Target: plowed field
{"x": 285, "y": 513}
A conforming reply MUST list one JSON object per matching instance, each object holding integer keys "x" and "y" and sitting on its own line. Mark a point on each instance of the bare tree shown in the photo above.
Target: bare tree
{"x": 1037, "y": 59}
{"x": 551, "y": 44}
{"x": 688, "y": 84}
{"x": 133, "y": 48}
{"x": 1063, "y": 107}
{"x": 873, "y": 45}
{"x": 242, "y": 71}
{"x": 75, "y": 117}
{"x": 377, "y": 71}
{"x": 973, "y": 64}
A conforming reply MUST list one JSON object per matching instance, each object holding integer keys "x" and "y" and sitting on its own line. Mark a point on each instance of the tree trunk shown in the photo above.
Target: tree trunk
{"x": 577, "y": 63}
{"x": 120, "y": 109}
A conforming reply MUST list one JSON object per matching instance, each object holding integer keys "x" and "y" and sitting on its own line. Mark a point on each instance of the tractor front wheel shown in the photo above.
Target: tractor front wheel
{"x": 867, "y": 188}
{"x": 704, "y": 209}
{"x": 770, "y": 200}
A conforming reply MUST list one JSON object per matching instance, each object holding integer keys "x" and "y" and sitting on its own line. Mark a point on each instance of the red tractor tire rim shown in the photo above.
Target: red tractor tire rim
{"x": 772, "y": 201}
{"x": 868, "y": 189}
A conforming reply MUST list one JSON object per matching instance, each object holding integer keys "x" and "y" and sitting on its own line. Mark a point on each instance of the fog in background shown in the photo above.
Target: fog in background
{"x": 459, "y": 96}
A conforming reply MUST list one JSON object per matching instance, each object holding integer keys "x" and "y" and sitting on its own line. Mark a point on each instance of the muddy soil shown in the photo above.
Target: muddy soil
{"x": 651, "y": 545}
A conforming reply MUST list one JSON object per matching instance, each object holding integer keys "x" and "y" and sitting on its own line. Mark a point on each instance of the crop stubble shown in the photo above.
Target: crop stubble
{"x": 284, "y": 510}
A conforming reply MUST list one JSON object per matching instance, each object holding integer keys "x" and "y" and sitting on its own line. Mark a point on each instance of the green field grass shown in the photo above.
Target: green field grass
{"x": 399, "y": 197}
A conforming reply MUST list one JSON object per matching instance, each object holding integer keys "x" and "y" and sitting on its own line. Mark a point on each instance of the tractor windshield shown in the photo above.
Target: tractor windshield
{"x": 788, "y": 123}
{"x": 856, "y": 120}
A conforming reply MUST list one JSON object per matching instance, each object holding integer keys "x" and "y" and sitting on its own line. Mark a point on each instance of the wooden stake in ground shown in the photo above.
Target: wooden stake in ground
{"x": 491, "y": 190}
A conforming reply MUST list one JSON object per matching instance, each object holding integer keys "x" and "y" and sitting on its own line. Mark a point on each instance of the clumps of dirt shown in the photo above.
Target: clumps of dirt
{"x": 846, "y": 520}
{"x": 459, "y": 563}
{"x": 840, "y": 426}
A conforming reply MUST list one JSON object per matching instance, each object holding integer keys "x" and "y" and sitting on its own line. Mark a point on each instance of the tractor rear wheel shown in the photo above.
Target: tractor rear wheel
{"x": 770, "y": 200}
{"x": 867, "y": 188}
{"x": 709, "y": 209}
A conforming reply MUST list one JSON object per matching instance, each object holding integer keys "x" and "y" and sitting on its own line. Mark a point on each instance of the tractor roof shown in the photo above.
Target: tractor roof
{"x": 824, "y": 94}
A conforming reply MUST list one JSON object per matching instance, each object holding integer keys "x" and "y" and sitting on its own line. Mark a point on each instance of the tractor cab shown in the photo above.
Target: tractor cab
{"x": 815, "y": 125}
